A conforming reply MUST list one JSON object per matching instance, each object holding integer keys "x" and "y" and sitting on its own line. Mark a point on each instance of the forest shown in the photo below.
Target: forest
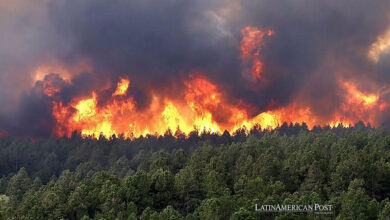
{"x": 199, "y": 175}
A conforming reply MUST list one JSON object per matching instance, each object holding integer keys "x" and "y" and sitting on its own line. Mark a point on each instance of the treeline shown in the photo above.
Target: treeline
{"x": 200, "y": 176}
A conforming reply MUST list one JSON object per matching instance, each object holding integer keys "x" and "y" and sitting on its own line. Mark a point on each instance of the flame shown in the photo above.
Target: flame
{"x": 198, "y": 110}
{"x": 85, "y": 108}
{"x": 204, "y": 107}
{"x": 122, "y": 87}
{"x": 203, "y": 98}
{"x": 356, "y": 96}
{"x": 252, "y": 41}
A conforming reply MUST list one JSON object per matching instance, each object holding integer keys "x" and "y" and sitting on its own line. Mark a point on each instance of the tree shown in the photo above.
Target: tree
{"x": 355, "y": 204}
{"x": 162, "y": 188}
{"x": 19, "y": 184}
{"x": 170, "y": 213}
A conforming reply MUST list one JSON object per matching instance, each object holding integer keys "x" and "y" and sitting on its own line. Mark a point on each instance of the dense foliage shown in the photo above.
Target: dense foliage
{"x": 198, "y": 177}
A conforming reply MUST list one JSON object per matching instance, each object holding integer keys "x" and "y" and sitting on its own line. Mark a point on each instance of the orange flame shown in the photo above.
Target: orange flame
{"x": 252, "y": 41}
{"x": 204, "y": 108}
{"x": 122, "y": 87}
{"x": 354, "y": 95}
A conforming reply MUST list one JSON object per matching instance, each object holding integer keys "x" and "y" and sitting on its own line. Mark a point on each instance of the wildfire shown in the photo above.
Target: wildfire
{"x": 204, "y": 106}
{"x": 252, "y": 41}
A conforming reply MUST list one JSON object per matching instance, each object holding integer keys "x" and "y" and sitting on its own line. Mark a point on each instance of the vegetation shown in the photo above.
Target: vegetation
{"x": 198, "y": 177}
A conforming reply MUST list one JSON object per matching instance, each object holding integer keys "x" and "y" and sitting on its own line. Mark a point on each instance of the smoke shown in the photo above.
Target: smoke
{"x": 157, "y": 44}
